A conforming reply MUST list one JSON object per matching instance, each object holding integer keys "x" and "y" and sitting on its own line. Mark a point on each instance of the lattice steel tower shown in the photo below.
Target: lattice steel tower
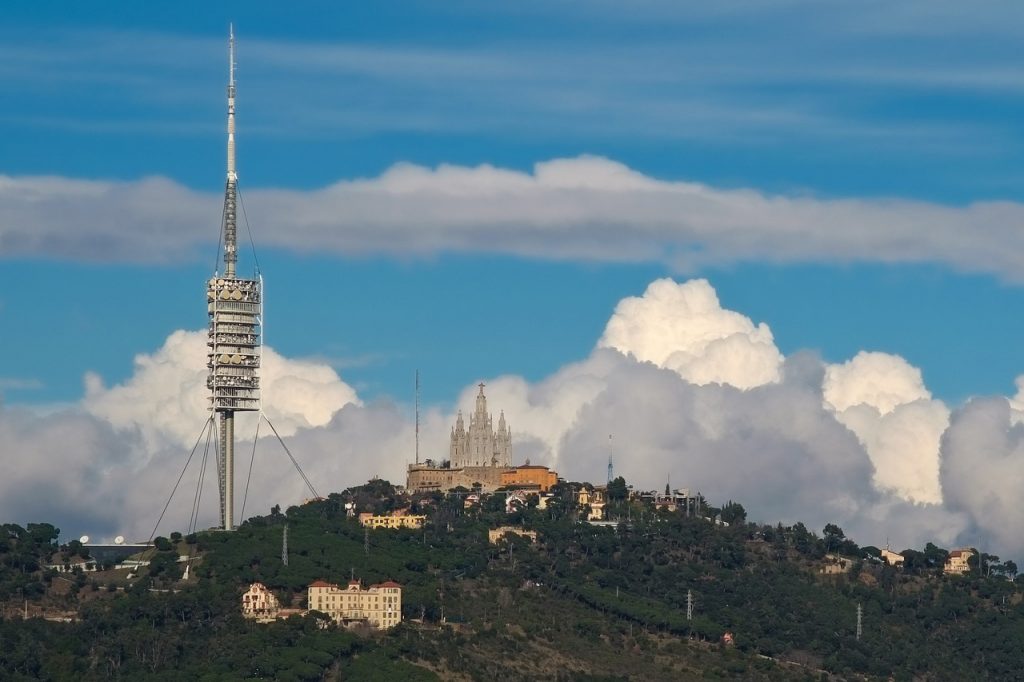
{"x": 235, "y": 307}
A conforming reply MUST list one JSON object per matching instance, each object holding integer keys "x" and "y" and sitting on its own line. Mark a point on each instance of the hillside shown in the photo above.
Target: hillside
{"x": 583, "y": 603}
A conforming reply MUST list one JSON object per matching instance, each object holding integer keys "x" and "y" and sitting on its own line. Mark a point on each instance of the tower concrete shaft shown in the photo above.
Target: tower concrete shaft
{"x": 235, "y": 308}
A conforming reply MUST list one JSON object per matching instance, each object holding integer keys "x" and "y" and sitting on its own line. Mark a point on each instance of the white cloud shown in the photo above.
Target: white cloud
{"x": 783, "y": 448}
{"x": 165, "y": 399}
{"x": 107, "y": 465}
{"x": 684, "y": 328}
{"x": 983, "y": 471}
{"x": 903, "y": 446}
{"x": 882, "y": 398}
{"x": 879, "y": 380}
{"x": 587, "y": 208}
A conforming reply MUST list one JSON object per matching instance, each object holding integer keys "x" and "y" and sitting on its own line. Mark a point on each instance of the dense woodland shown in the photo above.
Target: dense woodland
{"x": 583, "y": 603}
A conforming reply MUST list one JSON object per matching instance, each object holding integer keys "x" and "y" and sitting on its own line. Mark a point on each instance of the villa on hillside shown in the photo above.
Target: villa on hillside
{"x": 260, "y": 604}
{"x": 379, "y": 606}
{"x": 892, "y": 558}
{"x": 958, "y": 562}
{"x": 495, "y": 536}
{"x": 398, "y": 519}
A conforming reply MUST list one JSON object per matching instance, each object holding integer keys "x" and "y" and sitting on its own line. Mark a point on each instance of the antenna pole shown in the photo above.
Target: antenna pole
{"x": 417, "y": 416}
{"x": 231, "y": 189}
{"x": 284, "y": 547}
{"x": 610, "y": 469}
{"x": 860, "y": 615}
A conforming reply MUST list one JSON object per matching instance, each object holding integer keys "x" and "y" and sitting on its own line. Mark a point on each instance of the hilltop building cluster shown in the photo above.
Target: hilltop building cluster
{"x": 479, "y": 466}
{"x": 479, "y": 459}
{"x": 958, "y": 561}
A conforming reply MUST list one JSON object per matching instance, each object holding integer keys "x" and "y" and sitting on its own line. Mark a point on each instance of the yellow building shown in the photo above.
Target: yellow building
{"x": 595, "y": 499}
{"x": 835, "y": 564}
{"x": 392, "y": 521}
{"x": 957, "y": 562}
{"x": 260, "y": 603}
{"x": 425, "y": 478}
{"x": 380, "y": 606}
{"x": 498, "y": 533}
{"x": 892, "y": 558}
{"x": 529, "y": 476}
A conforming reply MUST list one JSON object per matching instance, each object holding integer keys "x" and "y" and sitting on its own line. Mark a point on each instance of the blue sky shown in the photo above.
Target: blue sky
{"x": 906, "y": 101}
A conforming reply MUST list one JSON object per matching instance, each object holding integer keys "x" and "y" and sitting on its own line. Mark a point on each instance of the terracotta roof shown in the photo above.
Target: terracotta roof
{"x": 389, "y": 583}
{"x": 321, "y": 583}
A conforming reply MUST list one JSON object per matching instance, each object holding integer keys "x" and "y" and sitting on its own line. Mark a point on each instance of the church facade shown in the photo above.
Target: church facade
{"x": 477, "y": 455}
{"x": 480, "y": 445}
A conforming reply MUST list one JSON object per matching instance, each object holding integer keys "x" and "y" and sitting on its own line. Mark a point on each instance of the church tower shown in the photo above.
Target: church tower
{"x": 480, "y": 445}
{"x": 457, "y": 453}
{"x": 503, "y": 443}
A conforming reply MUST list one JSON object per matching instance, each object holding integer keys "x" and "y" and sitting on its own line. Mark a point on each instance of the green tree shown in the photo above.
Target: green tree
{"x": 617, "y": 489}
{"x": 833, "y": 536}
{"x": 733, "y": 513}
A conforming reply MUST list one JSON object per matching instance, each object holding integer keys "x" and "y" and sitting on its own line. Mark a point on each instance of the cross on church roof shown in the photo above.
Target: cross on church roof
{"x": 481, "y": 385}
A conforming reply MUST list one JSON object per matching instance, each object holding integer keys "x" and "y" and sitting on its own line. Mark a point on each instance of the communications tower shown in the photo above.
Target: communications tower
{"x": 235, "y": 307}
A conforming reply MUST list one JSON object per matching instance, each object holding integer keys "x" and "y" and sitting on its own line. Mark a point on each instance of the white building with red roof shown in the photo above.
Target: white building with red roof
{"x": 379, "y": 606}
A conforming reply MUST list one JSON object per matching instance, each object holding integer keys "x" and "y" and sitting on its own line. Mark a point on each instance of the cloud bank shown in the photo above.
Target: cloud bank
{"x": 688, "y": 390}
{"x": 584, "y": 208}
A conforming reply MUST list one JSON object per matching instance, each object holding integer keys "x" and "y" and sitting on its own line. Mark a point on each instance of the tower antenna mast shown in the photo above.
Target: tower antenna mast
{"x": 235, "y": 308}
{"x": 611, "y": 471}
{"x": 417, "y": 416}
{"x": 231, "y": 189}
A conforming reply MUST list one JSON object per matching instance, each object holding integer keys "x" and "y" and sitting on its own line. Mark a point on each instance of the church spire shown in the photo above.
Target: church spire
{"x": 481, "y": 403}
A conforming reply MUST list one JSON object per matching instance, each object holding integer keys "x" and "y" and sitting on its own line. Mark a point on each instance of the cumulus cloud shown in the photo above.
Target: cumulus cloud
{"x": 588, "y": 208}
{"x": 879, "y": 380}
{"x": 983, "y": 471}
{"x": 166, "y": 397}
{"x": 684, "y": 328}
{"x": 856, "y": 444}
{"x": 107, "y": 464}
{"x": 882, "y": 398}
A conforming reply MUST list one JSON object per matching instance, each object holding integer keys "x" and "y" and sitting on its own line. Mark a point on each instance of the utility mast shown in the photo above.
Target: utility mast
{"x": 417, "y": 416}
{"x": 235, "y": 308}
{"x": 284, "y": 546}
{"x": 611, "y": 471}
{"x": 860, "y": 616}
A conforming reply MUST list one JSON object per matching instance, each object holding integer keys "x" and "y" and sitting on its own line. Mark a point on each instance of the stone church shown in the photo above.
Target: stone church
{"x": 477, "y": 455}
{"x": 480, "y": 445}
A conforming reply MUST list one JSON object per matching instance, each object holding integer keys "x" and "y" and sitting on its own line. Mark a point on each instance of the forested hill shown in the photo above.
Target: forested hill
{"x": 585, "y": 602}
